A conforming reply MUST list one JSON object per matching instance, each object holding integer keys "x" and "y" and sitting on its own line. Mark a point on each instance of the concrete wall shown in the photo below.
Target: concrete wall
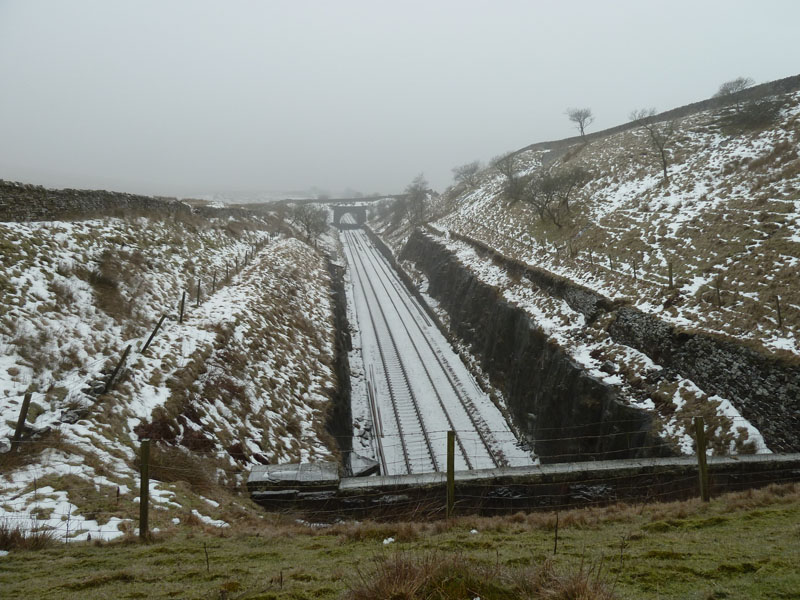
{"x": 548, "y": 487}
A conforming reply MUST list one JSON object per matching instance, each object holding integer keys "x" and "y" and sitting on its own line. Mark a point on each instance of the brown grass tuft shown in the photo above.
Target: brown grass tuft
{"x": 18, "y": 537}
{"x": 445, "y": 577}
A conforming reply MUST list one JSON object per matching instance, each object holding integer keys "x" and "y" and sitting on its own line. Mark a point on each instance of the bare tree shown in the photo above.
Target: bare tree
{"x": 582, "y": 117}
{"x": 570, "y": 180}
{"x": 509, "y": 165}
{"x": 661, "y": 134}
{"x": 541, "y": 192}
{"x": 416, "y": 199}
{"x": 467, "y": 174}
{"x": 732, "y": 87}
{"x": 549, "y": 193}
{"x": 311, "y": 218}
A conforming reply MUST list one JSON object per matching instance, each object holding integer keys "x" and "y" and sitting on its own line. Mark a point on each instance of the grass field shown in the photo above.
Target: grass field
{"x": 743, "y": 545}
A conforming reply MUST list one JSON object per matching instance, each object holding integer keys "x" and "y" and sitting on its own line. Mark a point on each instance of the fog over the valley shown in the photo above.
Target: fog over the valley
{"x": 195, "y": 98}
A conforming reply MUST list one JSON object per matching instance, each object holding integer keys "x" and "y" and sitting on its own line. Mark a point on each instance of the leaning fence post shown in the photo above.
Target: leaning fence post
{"x": 702, "y": 466}
{"x": 183, "y": 302}
{"x": 23, "y": 414}
{"x": 144, "y": 490}
{"x": 121, "y": 362}
{"x": 152, "y": 335}
{"x": 451, "y": 484}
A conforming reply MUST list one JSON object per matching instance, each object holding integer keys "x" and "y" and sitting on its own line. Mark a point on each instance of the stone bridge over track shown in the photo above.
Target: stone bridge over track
{"x": 359, "y": 213}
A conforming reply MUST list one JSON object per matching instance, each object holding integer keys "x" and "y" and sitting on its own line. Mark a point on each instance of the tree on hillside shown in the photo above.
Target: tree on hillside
{"x": 416, "y": 199}
{"x": 582, "y": 117}
{"x": 661, "y": 134}
{"x": 549, "y": 193}
{"x": 541, "y": 192}
{"x": 570, "y": 180}
{"x": 732, "y": 87}
{"x": 312, "y": 219}
{"x": 467, "y": 174}
{"x": 509, "y": 165}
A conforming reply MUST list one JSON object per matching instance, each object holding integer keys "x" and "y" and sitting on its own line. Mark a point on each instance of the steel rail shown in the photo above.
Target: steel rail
{"x": 447, "y": 369}
{"x": 385, "y": 363}
{"x": 400, "y": 363}
{"x": 377, "y": 437}
{"x": 424, "y": 366}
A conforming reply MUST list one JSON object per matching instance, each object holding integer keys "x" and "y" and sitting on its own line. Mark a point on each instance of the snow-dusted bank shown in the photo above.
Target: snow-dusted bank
{"x": 409, "y": 386}
{"x": 244, "y": 379}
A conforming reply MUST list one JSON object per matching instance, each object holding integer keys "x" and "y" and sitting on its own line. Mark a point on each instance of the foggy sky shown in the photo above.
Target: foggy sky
{"x": 190, "y": 97}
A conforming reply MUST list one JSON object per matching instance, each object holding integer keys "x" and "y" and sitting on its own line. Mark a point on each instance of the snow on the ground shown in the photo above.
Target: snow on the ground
{"x": 383, "y": 311}
{"x": 245, "y": 377}
{"x": 731, "y": 209}
{"x": 591, "y": 347}
{"x": 728, "y": 218}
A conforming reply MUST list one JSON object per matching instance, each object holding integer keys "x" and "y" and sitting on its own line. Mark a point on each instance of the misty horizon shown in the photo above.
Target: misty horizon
{"x": 197, "y": 99}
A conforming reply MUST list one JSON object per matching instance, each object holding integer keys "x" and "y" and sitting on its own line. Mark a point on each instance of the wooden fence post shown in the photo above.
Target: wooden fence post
{"x": 152, "y": 335}
{"x": 198, "y": 292}
{"x": 702, "y": 466}
{"x": 121, "y": 362}
{"x": 669, "y": 268}
{"x": 634, "y": 271}
{"x": 144, "y": 490}
{"x": 778, "y": 307}
{"x": 23, "y": 414}
{"x": 214, "y": 283}
{"x": 183, "y": 302}
{"x": 451, "y": 483}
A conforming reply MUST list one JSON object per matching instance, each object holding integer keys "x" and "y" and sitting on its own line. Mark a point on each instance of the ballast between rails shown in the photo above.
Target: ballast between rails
{"x": 446, "y": 368}
{"x": 385, "y": 363}
{"x": 462, "y": 449}
{"x": 363, "y": 255}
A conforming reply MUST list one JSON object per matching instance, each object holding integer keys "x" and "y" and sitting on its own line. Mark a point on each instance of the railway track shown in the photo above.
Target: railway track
{"x": 405, "y": 407}
{"x": 480, "y": 426}
{"x": 420, "y": 382}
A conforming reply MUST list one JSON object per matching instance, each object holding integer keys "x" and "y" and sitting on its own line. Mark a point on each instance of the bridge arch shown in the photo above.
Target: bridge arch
{"x": 359, "y": 214}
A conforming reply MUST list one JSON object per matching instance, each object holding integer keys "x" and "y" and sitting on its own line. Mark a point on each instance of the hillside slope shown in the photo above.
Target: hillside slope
{"x": 726, "y": 222}
{"x": 730, "y": 211}
{"x": 246, "y": 377}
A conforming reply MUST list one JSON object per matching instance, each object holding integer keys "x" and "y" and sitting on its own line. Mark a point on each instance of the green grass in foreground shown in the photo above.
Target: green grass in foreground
{"x": 744, "y": 545}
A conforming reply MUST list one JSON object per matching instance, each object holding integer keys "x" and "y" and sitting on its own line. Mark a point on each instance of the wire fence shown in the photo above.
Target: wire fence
{"x": 52, "y": 490}
{"x": 619, "y": 268}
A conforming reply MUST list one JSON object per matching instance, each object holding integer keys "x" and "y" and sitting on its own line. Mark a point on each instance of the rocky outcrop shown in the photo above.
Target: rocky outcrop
{"x": 579, "y": 298}
{"x": 340, "y": 418}
{"x": 765, "y": 389}
{"x": 569, "y": 414}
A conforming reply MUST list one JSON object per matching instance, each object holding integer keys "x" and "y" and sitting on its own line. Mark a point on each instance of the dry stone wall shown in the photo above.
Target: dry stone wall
{"x": 25, "y": 202}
